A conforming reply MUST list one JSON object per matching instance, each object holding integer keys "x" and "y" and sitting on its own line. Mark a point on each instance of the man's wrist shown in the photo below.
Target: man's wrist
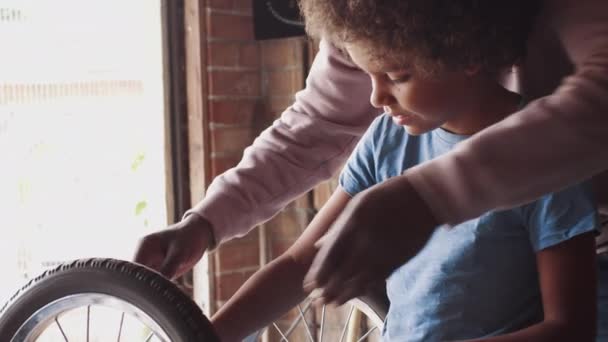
{"x": 198, "y": 222}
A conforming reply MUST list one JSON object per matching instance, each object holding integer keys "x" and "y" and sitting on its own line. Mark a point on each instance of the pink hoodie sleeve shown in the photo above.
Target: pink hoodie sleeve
{"x": 306, "y": 145}
{"x": 553, "y": 142}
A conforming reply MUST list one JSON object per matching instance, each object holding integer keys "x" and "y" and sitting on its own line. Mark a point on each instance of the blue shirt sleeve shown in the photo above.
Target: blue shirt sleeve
{"x": 560, "y": 216}
{"x": 359, "y": 173}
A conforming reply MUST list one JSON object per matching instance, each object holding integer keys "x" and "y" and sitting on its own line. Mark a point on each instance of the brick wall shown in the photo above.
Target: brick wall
{"x": 250, "y": 83}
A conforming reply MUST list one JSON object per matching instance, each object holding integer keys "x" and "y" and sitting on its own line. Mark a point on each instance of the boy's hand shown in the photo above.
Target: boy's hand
{"x": 378, "y": 231}
{"x": 177, "y": 249}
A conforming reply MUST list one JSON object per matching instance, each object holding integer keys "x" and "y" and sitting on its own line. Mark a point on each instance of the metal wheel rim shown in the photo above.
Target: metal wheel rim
{"x": 36, "y": 324}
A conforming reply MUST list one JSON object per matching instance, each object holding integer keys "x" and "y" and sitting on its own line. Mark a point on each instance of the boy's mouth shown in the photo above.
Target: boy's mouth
{"x": 398, "y": 118}
{"x": 402, "y": 119}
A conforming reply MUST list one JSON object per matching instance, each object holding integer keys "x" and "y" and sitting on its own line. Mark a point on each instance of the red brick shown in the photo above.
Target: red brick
{"x": 278, "y": 104}
{"x": 298, "y": 79}
{"x": 227, "y": 284}
{"x": 287, "y": 225}
{"x": 230, "y": 27}
{"x": 282, "y": 53}
{"x": 244, "y": 6}
{"x": 302, "y": 203}
{"x": 238, "y": 254}
{"x": 220, "y": 4}
{"x": 279, "y": 247}
{"x": 234, "y": 83}
{"x": 219, "y": 165}
{"x": 222, "y": 54}
{"x": 241, "y": 6}
{"x": 249, "y": 55}
{"x": 232, "y": 112}
{"x": 282, "y": 83}
{"x": 230, "y": 139}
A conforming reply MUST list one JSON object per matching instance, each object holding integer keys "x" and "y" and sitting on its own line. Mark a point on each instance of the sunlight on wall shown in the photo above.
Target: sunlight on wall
{"x": 81, "y": 131}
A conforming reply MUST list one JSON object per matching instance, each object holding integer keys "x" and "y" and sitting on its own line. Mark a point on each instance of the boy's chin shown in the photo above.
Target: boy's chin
{"x": 414, "y": 130}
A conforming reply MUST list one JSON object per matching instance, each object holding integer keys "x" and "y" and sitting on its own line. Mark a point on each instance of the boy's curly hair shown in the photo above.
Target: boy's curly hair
{"x": 430, "y": 35}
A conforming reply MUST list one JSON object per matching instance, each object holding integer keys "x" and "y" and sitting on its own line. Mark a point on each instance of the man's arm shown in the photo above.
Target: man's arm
{"x": 552, "y": 143}
{"x": 306, "y": 145}
{"x": 568, "y": 282}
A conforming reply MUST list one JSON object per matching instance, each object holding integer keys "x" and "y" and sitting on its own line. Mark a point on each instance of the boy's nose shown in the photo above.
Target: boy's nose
{"x": 380, "y": 96}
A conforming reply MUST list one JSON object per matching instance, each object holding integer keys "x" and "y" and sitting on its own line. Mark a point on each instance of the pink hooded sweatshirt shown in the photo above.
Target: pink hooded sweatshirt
{"x": 558, "y": 139}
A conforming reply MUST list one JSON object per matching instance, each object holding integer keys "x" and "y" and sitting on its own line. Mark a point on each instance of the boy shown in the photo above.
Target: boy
{"x": 526, "y": 274}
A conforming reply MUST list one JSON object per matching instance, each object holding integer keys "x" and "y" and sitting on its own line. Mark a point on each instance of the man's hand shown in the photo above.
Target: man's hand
{"x": 378, "y": 231}
{"x": 177, "y": 249}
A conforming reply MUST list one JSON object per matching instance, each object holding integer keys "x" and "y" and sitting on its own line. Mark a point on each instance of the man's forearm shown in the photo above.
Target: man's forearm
{"x": 554, "y": 142}
{"x": 305, "y": 146}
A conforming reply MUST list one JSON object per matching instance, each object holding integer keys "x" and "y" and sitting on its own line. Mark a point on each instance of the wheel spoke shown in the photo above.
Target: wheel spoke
{"x": 305, "y": 324}
{"x": 122, "y": 320}
{"x": 61, "y": 329}
{"x": 350, "y": 313}
{"x": 297, "y": 320}
{"x": 149, "y": 337}
{"x": 283, "y": 337}
{"x": 88, "y": 321}
{"x": 322, "y": 322}
{"x": 367, "y": 334}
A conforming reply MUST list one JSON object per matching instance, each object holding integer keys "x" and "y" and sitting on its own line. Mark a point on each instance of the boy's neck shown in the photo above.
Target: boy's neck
{"x": 493, "y": 104}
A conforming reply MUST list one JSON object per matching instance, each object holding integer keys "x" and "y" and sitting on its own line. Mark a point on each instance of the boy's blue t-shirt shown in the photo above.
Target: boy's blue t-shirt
{"x": 479, "y": 278}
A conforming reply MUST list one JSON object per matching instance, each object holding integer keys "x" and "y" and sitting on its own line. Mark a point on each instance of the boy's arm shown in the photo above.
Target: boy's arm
{"x": 277, "y": 287}
{"x": 568, "y": 282}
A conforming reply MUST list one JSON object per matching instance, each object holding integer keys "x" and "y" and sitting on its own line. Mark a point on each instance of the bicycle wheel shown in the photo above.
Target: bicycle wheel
{"x": 360, "y": 319}
{"x": 68, "y": 303}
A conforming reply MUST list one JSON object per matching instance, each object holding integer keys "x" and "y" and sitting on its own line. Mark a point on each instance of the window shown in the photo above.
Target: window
{"x": 82, "y": 131}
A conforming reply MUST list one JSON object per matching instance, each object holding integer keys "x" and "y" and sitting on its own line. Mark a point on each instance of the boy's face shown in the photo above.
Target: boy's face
{"x": 418, "y": 104}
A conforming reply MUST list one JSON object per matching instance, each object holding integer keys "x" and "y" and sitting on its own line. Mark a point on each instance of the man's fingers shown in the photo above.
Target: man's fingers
{"x": 317, "y": 276}
{"x": 172, "y": 263}
{"x": 352, "y": 288}
{"x": 147, "y": 253}
{"x": 141, "y": 254}
{"x": 310, "y": 279}
{"x": 329, "y": 261}
{"x": 331, "y": 290}
{"x": 346, "y": 283}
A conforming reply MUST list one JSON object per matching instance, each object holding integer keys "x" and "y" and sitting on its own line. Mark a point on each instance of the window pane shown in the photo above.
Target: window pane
{"x": 81, "y": 131}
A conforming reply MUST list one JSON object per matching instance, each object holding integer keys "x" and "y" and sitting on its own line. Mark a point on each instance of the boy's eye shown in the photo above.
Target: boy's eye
{"x": 398, "y": 78}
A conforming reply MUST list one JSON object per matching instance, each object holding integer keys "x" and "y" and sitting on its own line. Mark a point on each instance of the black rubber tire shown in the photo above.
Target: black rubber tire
{"x": 165, "y": 303}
